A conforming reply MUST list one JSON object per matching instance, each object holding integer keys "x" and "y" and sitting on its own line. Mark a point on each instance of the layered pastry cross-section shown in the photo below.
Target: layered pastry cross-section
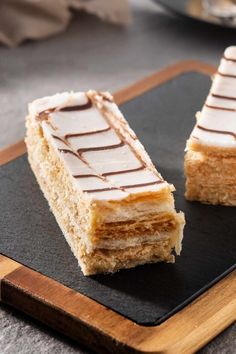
{"x": 113, "y": 207}
{"x": 210, "y": 160}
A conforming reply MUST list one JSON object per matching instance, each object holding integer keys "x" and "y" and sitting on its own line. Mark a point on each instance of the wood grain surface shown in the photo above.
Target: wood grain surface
{"x": 98, "y": 327}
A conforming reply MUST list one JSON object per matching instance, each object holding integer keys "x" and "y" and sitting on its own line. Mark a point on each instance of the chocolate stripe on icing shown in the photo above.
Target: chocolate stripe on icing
{"x": 87, "y": 176}
{"x": 68, "y": 136}
{"x": 110, "y": 173}
{"x": 223, "y": 97}
{"x": 81, "y": 107}
{"x": 220, "y": 108}
{"x": 100, "y": 190}
{"x": 216, "y": 131}
{"x": 123, "y": 171}
{"x": 229, "y": 59}
{"x": 119, "y": 172}
{"x": 122, "y": 137}
{"x": 44, "y": 115}
{"x": 100, "y": 148}
{"x": 141, "y": 184}
{"x": 226, "y": 75}
{"x": 67, "y": 151}
{"x": 106, "y": 97}
{"x": 58, "y": 138}
{"x": 123, "y": 187}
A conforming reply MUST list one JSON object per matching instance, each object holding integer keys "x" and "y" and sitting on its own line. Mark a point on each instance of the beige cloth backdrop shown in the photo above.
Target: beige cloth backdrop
{"x": 35, "y": 19}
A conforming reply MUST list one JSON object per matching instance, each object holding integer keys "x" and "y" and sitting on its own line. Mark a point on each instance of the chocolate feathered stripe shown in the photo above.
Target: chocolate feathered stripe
{"x": 123, "y": 187}
{"x": 142, "y": 184}
{"x": 124, "y": 171}
{"x": 80, "y": 107}
{"x": 67, "y": 151}
{"x": 225, "y": 132}
{"x": 223, "y": 97}
{"x": 119, "y": 172}
{"x": 220, "y": 108}
{"x": 100, "y": 148}
{"x": 92, "y": 132}
{"x": 226, "y": 75}
{"x": 100, "y": 189}
{"x": 229, "y": 59}
{"x": 87, "y": 176}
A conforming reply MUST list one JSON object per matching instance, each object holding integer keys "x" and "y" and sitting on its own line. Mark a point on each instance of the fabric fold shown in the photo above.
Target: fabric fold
{"x": 24, "y": 19}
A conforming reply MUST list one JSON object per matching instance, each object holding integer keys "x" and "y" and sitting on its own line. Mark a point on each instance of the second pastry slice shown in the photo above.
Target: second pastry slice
{"x": 210, "y": 160}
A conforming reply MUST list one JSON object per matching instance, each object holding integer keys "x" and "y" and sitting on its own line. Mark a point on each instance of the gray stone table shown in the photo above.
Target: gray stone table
{"x": 94, "y": 54}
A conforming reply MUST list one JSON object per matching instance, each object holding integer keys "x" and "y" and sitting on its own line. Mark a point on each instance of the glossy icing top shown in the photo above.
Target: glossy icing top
{"x": 96, "y": 145}
{"x": 216, "y": 123}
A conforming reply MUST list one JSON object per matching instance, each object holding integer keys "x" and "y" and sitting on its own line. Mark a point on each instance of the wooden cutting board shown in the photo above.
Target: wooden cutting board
{"x": 155, "y": 308}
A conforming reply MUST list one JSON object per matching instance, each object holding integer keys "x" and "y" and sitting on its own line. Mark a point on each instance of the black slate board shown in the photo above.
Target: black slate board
{"x": 163, "y": 119}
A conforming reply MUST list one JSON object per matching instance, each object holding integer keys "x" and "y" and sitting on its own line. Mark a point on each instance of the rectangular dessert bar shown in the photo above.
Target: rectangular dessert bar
{"x": 113, "y": 207}
{"x": 210, "y": 161}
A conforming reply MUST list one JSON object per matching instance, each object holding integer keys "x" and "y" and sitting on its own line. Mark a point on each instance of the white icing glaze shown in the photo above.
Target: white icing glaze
{"x": 230, "y": 52}
{"x": 78, "y": 121}
{"x": 109, "y": 195}
{"x": 95, "y": 140}
{"x": 224, "y": 86}
{"x": 90, "y": 183}
{"x": 140, "y": 177}
{"x": 112, "y": 160}
{"x": 211, "y": 139}
{"x": 227, "y": 67}
{"x": 58, "y": 100}
{"x": 213, "y": 119}
{"x": 220, "y": 102}
{"x": 152, "y": 188}
{"x": 219, "y": 113}
{"x": 115, "y": 155}
{"x": 76, "y": 166}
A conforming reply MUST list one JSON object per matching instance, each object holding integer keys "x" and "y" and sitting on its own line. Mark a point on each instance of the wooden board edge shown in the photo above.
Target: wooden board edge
{"x": 63, "y": 309}
{"x": 199, "y": 322}
{"x": 104, "y": 330}
{"x": 12, "y": 152}
{"x": 7, "y": 266}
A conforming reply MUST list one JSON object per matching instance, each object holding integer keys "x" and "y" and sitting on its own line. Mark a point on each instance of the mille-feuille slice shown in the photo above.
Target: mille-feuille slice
{"x": 113, "y": 207}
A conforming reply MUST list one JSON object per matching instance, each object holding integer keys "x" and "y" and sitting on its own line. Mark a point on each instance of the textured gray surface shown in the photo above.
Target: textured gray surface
{"x": 94, "y": 54}
{"x": 20, "y": 334}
